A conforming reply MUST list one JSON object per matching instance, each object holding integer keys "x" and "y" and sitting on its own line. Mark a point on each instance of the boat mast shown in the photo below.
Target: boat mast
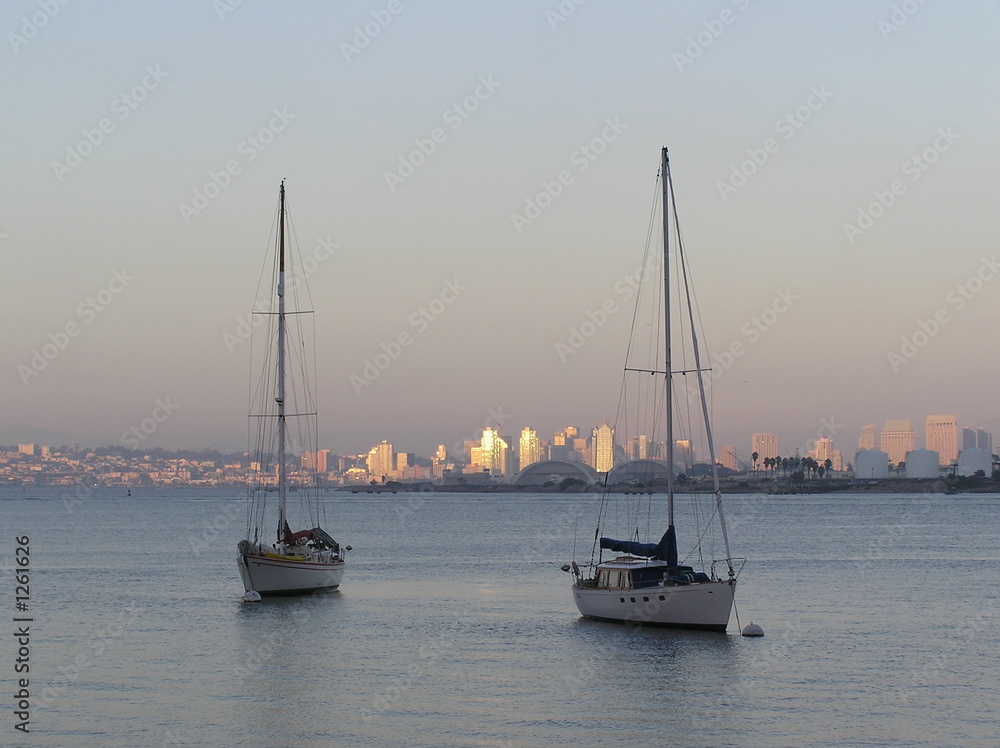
{"x": 665, "y": 178}
{"x": 280, "y": 399}
{"x": 717, "y": 489}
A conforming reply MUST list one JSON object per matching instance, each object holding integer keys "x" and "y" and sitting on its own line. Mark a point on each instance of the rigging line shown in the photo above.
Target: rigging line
{"x": 704, "y": 400}
{"x": 645, "y": 260}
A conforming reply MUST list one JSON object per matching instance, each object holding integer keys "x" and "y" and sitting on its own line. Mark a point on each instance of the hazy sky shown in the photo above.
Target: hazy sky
{"x": 835, "y": 165}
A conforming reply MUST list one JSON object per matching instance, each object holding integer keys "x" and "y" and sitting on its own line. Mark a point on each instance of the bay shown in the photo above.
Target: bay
{"x": 455, "y": 627}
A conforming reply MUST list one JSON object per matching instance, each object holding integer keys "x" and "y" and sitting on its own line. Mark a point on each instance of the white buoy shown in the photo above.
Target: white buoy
{"x": 252, "y": 596}
{"x": 752, "y": 629}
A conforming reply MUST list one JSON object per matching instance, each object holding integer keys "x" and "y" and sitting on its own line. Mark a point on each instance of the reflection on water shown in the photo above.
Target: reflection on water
{"x": 879, "y": 616}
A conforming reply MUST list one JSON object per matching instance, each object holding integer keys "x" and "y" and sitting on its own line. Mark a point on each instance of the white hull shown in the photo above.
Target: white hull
{"x": 274, "y": 576}
{"x": 704, "y": 605}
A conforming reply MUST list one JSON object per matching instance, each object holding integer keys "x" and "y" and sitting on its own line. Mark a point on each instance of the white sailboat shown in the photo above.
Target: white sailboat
{"x": 307, "y": 560}
{"x": 647, "y": 583}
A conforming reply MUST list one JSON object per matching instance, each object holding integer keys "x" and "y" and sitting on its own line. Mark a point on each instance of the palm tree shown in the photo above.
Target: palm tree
{"x": 754, "y": 457}
{"x": 828, "y": 464}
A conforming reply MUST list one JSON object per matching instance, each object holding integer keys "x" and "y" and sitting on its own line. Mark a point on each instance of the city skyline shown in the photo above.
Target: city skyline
{"x": 504, "y": 454}
{"x": 472, "y": 221}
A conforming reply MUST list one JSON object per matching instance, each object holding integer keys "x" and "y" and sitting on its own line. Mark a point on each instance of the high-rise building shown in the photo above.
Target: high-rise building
{"x": 867, "y": 440}
{"x": 822, "y": 450}
{"x": 603, "y": 444}
{"x": 380, "y": 460}
{"x": 984, "y": 440}
{"x": 26, "y": 449}
{"x": 493, "y": 452}
{"x": 897, "y": 438}
{"x": 528, "y": 449}
{"x": 765, "y": 445}
{"x": 322, "y": 460}
{"x": 727, "y": 457}
{"x": 969, "y": 439}
{"x": 683, "y": 455}
{"x": 941, "y": 436}
{"x": 441, "y": 454}
{"x": 638, "y": 447}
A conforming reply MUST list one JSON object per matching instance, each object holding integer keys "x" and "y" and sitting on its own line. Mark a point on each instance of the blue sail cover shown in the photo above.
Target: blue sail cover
{"x": 665, "y": 550}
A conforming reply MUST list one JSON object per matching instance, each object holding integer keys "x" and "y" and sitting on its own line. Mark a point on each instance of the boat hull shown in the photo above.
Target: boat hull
{"x": 277, "y": 576}
{"x": 704, "y": 606}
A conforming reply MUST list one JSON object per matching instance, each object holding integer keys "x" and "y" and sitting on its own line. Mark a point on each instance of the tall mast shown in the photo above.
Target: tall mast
{"x": 665, "y": 178}
{"x": 699, "y": 372}
{"x": 280, "y": 398}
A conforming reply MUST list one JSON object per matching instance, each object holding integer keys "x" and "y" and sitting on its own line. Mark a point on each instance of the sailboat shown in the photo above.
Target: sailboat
{"x": 307, "y": 560}
{"x": 648, "y": 583}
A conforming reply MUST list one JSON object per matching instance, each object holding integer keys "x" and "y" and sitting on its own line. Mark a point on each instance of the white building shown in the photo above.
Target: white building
{"x": 923, "y": 463}
{"x": 871, "y": 463}
{"x": 972, "y": 460}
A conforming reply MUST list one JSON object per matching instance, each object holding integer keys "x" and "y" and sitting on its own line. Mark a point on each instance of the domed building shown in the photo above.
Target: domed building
{"x": 555, "y": 471}
{"x": 644, "y": 472}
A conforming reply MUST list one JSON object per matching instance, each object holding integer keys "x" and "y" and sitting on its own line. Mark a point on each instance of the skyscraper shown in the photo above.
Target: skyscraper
{"x": 604, "y": 447}
{"x": 638, "y": 447}
{"x": 984, "y": 440}
{"x": 493, "y": 456}
{"x": 969, "y": 439}
{"x": 897, "y": 439}
{"x": 941, "y": 436}
{"x": 822, "y": 450}
{"x": 727, "y": 457}
{"x": 529, "y": 450}
{"x": 867, "y": 438}
{"x": 765, "y": 445}
{"x": 380, "y": 460}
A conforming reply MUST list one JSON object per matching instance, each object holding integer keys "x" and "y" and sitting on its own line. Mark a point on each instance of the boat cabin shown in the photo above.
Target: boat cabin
{"x": 628, "y": 573}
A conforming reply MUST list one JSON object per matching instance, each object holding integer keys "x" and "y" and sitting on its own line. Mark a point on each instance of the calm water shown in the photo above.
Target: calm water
{"x": 455, "y": 627}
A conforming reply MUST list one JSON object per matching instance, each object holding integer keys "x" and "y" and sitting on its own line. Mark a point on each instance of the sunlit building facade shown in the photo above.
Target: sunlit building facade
{"x": 941, "y": 436}
{"x": 897, "y": 438}
{"x": 528, "y": 448}
{"x": 381, "y": 460}
{"x": 869, "y": 438}
{"x": 603, "y": 444}
{"x": 765, "y": 445}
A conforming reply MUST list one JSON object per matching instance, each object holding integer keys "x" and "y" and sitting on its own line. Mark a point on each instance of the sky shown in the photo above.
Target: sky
{"x": 477, "y": 177}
